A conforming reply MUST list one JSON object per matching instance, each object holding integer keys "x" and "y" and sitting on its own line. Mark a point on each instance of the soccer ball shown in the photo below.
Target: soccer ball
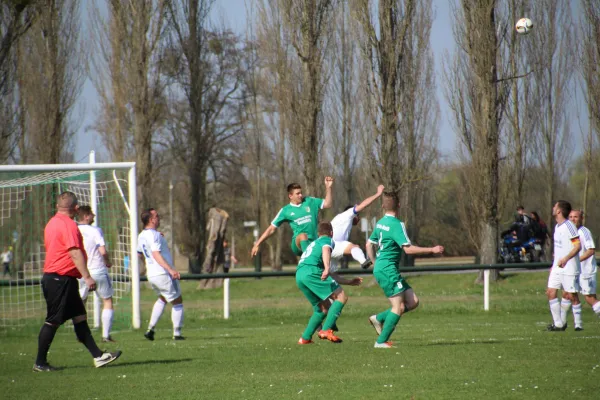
{"x": 524, "y": 26}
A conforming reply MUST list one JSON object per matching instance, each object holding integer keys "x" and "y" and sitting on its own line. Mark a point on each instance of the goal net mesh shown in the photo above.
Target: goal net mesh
{"x": 27, "y": 202}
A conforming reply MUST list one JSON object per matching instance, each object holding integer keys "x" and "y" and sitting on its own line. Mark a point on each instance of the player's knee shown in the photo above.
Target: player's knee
{"x": 342, "y": 297}
{"x": 178, "y": 300}
{"x": 79, "y": 318}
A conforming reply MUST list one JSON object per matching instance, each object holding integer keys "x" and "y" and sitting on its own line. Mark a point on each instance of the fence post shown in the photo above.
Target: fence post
{"x": 486, "y": 290}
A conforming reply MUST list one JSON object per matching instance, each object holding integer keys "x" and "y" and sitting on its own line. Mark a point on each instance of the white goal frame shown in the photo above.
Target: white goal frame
{"x": 131, "y": 209}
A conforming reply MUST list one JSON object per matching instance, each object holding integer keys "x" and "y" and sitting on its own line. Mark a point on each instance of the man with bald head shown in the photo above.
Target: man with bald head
{"x": 66, "y": 261}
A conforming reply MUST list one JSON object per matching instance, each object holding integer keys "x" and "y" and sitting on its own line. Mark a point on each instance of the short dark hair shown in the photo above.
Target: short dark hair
{"x": 519, "y": 208}
{"x": 84, "y": 211}
{"x": 66, "y": 200}
{"x": 325, "y": 228}
{"x": 293, "y": 186}
{"x": 565, "y": 208}
{"x": 146, "y": 215}
{"x": 390, "y": 201}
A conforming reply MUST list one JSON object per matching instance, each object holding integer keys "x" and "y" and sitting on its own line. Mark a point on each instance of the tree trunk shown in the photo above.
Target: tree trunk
{"x": 213, "y": 256}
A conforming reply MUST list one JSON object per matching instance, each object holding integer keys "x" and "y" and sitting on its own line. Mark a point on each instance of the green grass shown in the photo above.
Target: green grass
{"x": 449, "y": 348}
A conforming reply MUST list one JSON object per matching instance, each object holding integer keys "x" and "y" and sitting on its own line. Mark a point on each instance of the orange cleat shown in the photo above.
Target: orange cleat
{"x": 385, "y": 345}
{"x": 304, "y": 341}
{"x": 329, "y": 335}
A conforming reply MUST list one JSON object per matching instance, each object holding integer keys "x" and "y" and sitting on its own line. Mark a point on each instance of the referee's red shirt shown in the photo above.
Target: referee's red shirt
{"x": 60, "y": 235}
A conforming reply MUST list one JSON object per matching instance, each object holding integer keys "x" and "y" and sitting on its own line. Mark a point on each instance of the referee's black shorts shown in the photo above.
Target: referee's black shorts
{"x": 62, "y": 298}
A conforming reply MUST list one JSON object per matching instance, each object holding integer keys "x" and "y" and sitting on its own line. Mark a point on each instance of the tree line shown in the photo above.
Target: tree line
{"x": 311, "y": 88}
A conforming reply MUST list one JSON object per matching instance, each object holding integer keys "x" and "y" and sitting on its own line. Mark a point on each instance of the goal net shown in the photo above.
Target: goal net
{"x": 28, "y": 200}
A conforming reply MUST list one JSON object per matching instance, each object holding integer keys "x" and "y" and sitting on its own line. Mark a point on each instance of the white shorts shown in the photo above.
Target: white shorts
{"x": 587, "y": 284}
{"x": 338, "y": 250}
{"x": 104, "y": 288}
{"x": 568, "y": 283}
{"x": 166, "y": 287}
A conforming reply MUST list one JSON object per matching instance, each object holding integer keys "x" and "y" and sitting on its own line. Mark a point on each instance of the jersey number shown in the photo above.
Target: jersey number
{"x": 308, "y": 250}
{"x": 399, "y": 285}
{"x": 380, "y": 244}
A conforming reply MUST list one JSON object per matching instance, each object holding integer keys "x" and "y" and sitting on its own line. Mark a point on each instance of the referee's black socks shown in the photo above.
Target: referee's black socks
{"x": 82, "y": 330}
{"x": 44, "y": 341}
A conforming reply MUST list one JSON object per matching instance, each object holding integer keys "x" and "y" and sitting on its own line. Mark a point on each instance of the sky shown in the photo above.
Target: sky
{"x": 233, "y": 12}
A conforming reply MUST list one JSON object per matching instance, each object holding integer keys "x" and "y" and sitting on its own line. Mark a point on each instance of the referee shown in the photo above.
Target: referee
{"x": 65, "y": 262}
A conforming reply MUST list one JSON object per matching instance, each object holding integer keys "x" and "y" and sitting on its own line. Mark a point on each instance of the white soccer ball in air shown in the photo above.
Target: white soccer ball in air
{"x": 524, "y": 26}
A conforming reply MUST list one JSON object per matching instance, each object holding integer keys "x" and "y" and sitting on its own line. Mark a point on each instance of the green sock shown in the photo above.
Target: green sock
{"x": 332, "y": 315}
{"x": 383, "y": 315}
{"x": 313, "y": 323}
{"x": 388, "y": 327}
{"x": 304, "y": 244}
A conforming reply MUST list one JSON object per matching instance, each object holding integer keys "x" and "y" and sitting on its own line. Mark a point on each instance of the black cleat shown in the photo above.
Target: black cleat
{"x": 578, "y": 328}
{"x": 43, "y": 368}
{"x": 178, "y": 337}
{"x": 554, "y": 328}
{"x": 106, "y": 358}
{"x": 366, "y": 264}
{"x": 149, "y": 334}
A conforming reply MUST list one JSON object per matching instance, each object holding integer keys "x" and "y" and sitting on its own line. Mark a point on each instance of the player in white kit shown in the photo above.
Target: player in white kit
{"x": 153, "y": 248}
{"x": 566, "y": 268}
{"x": 98, "y": 263}
{"x": 342, "y": 225}
{"x": 587, "y": 258}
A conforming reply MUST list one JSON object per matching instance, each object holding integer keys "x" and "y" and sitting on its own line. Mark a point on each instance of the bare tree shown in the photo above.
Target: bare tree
{"x": 205, "y": 64}
{"x": 308, "y": 24}
{"x": 400, "y": 97}
{"x": 132, "y": 98}
{"x": 477, "y": 93}
{"x": 590, "y": 71}
{"x": 550, "y": 51}
{"x": 50, "y": 78}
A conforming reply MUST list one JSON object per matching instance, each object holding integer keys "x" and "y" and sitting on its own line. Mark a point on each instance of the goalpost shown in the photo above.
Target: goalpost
{"x": 28, "y": 200}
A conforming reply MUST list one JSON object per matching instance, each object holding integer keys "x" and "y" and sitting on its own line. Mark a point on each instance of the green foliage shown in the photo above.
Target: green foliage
{"x": 449, "y": 348}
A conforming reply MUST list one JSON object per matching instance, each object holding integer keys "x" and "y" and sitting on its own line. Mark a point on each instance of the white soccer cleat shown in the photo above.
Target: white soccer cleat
{"x": 376, "y": 324}
{"x": 385, "y": 345}
{"x": 106, "y": 358}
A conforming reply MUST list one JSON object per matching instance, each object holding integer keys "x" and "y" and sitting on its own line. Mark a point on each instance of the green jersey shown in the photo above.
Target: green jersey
{"x": 313, "y": 256}
{"x": 390, "y": 235}
{"x": 302, "y": 217}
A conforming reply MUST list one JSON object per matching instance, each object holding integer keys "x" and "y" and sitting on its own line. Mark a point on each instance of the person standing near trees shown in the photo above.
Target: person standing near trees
{"x": 302, "y": 215}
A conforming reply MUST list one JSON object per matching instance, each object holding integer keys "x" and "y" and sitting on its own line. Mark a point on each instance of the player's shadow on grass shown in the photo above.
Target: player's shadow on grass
{"x": 463, "y": 342}
{"x": 148, "y": 362}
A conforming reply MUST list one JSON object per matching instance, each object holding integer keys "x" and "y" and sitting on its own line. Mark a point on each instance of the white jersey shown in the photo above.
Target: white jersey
{"x": 588, "y": 267}
{"x": 93, "y": 238}
{"x": 150, "y": 240}
{"x": 564, "y": 234}
{"x": 342, "y": 225}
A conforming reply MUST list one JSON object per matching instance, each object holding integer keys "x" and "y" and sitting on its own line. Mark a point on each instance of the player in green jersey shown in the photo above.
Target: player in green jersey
{"x": 312, "y": 278}
{"x": 391, "y": 238}
{"x": 302, "y": 215}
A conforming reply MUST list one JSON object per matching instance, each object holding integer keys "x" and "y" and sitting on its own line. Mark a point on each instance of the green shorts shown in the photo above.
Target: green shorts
{"x": 295, "y": 248}
{"x": 309, "y": 281}
{"x": 390, "y": 280}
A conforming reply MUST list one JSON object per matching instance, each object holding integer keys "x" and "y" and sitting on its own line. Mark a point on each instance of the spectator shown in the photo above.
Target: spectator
{"x": 539, "y": 228}
{"x": 6, "y": 257}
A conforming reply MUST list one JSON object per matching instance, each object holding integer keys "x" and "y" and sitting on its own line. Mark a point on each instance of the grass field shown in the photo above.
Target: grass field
{"x": 447, "y": 349}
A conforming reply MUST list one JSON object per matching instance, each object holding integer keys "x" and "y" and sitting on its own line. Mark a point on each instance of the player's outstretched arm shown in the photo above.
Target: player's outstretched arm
{"x": 369, "y": 200}
{"x": 416, "y": 250}
{"x": 328, "y": 201}
{"x": 268, "y": 232}
{"x": 343, "y": 281}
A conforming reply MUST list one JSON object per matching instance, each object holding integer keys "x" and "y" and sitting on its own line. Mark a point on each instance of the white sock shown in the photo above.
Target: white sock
{"x": 596, "y": 308}
{"x": 157, "y": 311}
{"x": 358, "y": 254}
{"x": 107, "y": 319}
{"x": 177, "y": 318}
{"x": 565, "y": 305}
{"x": 555, "y": 311}
{"x": 577, "y": 316}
